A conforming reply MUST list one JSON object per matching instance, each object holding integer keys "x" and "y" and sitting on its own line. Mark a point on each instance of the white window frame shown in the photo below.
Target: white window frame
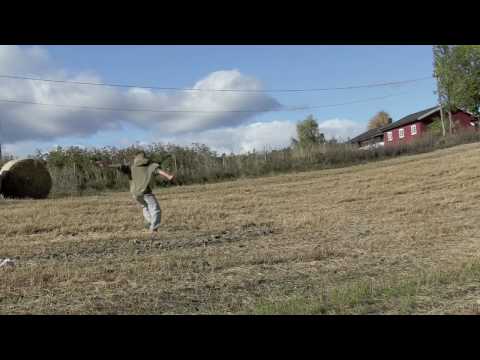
{"x": 389, "y": 136}
{"x": 401, "y": 133}
{"x": 413, "y": 129}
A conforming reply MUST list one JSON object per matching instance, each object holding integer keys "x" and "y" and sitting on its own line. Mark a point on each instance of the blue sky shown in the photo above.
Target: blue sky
{"x": 267, "y": 67}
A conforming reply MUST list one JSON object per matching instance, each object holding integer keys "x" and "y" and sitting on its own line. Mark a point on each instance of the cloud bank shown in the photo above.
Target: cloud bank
{"x": 21, "y": 122}
{"x": 25, "y": 126}
{"x": 260, "y": 135}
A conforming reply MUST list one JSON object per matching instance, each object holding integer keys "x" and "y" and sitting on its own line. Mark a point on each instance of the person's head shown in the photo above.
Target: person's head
{"x": 140, "y": 158}
{"x": 140, "y": 153}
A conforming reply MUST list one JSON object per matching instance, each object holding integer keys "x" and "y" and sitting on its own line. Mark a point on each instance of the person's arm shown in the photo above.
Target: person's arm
{"x": 164, "y": 174}
{"x": 104, "y": 164}
{"x": 120, "y": 167}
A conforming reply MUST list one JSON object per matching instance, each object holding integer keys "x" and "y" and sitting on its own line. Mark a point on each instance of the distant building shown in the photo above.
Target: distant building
{"x": 369, "y": 139}
{"x": 411, "y": 127}
{"x": 414, "y": 125}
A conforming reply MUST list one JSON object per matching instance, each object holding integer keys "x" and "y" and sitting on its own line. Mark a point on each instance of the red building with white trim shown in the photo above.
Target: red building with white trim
{"x": 412, "y": 127}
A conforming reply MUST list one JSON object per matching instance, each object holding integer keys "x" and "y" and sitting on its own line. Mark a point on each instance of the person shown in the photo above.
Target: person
{"x": 140, "y": 175}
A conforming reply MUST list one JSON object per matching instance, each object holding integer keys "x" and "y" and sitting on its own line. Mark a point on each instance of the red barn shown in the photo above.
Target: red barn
{"x": 369, "y": 139}
{"x": 414, "y": 125}
{"x": 411, "y": 127}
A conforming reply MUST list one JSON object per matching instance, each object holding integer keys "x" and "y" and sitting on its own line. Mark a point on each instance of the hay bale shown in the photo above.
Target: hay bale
{"x": 25, "y": 178}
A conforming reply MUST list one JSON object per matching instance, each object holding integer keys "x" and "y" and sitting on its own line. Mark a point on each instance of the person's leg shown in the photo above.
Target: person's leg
{"x": 155, "y": 211}
{"x": 146, "y": 212}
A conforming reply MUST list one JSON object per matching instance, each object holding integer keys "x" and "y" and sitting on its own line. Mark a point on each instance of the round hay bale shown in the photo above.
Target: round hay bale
{"x": 25, "y": 178}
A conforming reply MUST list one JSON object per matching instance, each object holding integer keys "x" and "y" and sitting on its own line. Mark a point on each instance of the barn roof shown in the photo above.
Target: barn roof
{"x": 412, "y": 118}
{"x": 367, "y": 135}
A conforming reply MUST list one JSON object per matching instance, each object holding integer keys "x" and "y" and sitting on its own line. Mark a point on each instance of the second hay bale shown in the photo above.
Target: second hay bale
{"x": 25, "y": 178}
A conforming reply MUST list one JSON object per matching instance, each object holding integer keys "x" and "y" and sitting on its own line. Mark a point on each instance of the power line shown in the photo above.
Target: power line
{"x": 358, "y": 101}
{"x": 382, "y": 84}
{"x": 284, "y": 109}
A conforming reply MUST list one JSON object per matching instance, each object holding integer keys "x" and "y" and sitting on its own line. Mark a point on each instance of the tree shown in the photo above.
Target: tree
{"x": 457, "y": 70}
{"x": 436, "y": 127}
{"x": 308, "y": 133}
{"x": 333, "y": 140}
{"x": 445, "y": 74}
{"x": 466, "y": 68}
{"x": 380, "y": 119}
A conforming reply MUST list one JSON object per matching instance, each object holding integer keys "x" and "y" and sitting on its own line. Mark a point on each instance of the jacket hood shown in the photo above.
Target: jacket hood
{"x": 140, "y": 160}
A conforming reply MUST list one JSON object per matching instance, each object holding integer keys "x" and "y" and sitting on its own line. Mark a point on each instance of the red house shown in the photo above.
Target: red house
{"x": 414, "y": 125}
{"x": 369, "y": 139}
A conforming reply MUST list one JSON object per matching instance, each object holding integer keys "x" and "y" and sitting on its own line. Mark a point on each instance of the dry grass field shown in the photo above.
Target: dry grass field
{"x": 394, "y": 237}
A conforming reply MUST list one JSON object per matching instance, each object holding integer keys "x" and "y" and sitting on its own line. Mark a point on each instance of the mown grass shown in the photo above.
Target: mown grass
{"x": 386, "y": 237}
{"x": 399, "y": 295}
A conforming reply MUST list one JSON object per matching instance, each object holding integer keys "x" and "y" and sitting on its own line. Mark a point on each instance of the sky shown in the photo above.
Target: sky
{"x": 202, "y": 116}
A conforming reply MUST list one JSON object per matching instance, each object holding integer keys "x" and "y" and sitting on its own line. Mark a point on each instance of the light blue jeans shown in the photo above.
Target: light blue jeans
{"x": 151, "y": 210}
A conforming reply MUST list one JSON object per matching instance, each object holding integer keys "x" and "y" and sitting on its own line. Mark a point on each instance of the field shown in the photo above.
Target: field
{"x": 393, "y": 237}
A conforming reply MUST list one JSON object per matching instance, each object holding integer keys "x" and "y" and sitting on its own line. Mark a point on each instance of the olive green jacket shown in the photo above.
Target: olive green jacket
{"x": 140, "y": 174}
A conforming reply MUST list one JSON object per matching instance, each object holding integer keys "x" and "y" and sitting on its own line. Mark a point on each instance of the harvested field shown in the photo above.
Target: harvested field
{"x": 397, "y": 236}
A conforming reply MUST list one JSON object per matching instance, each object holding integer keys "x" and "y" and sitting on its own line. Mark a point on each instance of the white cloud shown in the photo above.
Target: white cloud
{"x": 341, "y": 129}
{"x": 275, "y": 134}
{"x": 23, "y": 148}
{"x": 21, "y": 122}
{"x": 241, "y": 139}
{"x": 26, "y": 60}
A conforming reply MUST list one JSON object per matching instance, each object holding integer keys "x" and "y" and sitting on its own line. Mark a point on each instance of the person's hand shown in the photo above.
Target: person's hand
{"x": 172, "y": 178}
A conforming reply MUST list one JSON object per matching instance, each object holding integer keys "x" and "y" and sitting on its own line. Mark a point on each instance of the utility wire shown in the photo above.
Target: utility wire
{"x": 286, "y": 109}
{"x": 391, "y": 83}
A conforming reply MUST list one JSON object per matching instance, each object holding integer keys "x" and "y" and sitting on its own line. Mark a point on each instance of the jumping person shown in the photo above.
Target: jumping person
{"x": 140, "y": 175}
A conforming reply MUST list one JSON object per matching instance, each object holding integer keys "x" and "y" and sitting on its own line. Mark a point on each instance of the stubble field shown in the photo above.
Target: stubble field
{"x": 397, "y": 236}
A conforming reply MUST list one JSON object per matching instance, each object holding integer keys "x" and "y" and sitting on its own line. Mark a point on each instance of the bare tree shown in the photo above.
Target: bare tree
{"x": 382, "y": 118}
